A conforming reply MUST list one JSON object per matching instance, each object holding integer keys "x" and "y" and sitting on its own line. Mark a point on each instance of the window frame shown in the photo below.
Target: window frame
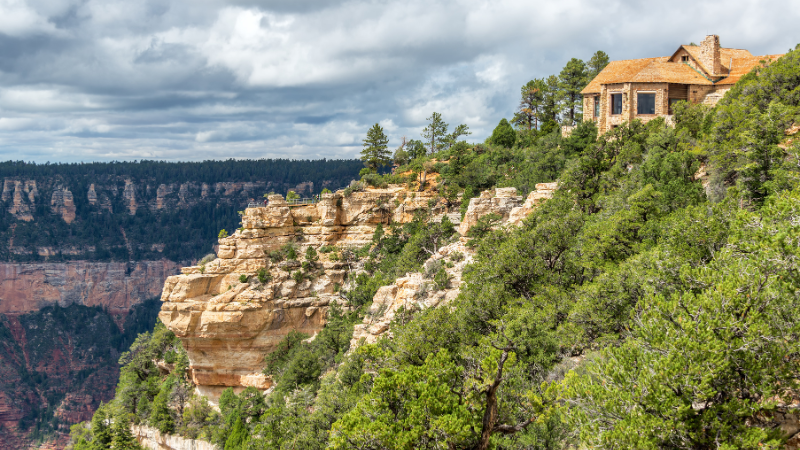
{"x": 612, "y": 103}
{"x": 596, "y": 110}
{"x": 638, "y": 103}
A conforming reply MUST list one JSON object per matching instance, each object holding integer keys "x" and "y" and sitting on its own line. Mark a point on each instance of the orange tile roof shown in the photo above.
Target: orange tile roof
{"x": 660, "y": 70}
{"x": 647, "y": 70}
{"x": 743, "y": 65}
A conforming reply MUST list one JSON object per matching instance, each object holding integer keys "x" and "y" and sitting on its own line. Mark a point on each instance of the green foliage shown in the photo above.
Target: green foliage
{"x": 160, "y": 415}
{"x": 375, "y": 153}
{"x": 504, "y": 135}
{"x": 311, "y": 254}
{"x": 292, "y": 195}
{"x": 415, "y": 407}
{"x": 243, "y": 278}
{"x": 263, "y": 275}
{"x": 222, "y": 234}
{"x": 326, "y": 191}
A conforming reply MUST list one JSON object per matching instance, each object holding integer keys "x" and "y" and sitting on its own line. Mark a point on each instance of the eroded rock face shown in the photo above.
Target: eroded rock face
{"x": 62, "y": 203}
{"x": 227, "y": 326}
{"x": 543, "y": 192}
{"x": 152, "y": 439}
{"x": 114, "y": 286}
{"x": 494, "y": 201}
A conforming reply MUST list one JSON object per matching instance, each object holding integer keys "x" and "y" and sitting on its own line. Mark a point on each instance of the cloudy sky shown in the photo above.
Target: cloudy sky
{"x": 96, "y": 80}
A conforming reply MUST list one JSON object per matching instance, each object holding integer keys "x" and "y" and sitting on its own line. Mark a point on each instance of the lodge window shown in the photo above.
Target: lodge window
{"x": 645, "y": 103}
{"x": 597, "y": 107}
{"x": 616, "y": 103}
{"x": 685, "y": 58}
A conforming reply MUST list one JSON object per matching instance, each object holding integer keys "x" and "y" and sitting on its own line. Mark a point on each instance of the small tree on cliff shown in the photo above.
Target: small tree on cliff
{"x": 123, "y": 438}
{"x": 375, "y": 153}
{"x": 161, "y": 418}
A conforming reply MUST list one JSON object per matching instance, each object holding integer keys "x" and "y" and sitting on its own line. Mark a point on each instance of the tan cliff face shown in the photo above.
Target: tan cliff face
{"x": 227, "y": 326}
{"x": 30, "y": 286}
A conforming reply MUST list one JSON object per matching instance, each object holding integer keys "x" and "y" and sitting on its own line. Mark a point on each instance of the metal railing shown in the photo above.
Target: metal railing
{"x": 293, "y": 202}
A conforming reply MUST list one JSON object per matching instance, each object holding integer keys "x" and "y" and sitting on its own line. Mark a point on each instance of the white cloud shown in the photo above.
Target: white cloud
{"x": 179, "y": 79}
{"x": 17, "y": 19}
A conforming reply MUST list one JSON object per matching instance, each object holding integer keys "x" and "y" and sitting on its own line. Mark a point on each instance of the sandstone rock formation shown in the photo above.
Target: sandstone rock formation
{"x": 227, "y": 326}
{"x": 494, "y": 201}
{"x": 543, "y": 192}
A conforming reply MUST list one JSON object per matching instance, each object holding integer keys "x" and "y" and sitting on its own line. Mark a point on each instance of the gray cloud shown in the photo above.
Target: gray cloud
{"x": 84, "y": 80}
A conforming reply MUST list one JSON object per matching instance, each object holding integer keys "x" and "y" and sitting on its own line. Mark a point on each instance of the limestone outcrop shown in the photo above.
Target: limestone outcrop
{"x": 62, "y": 203}
{"x": 498, "y": 201}
{"x": 228, "y": 319}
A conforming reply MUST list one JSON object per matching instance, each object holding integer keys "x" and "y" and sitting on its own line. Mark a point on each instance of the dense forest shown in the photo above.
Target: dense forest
{"x": 651, "y": 304}
{"x": 197, "y": 200}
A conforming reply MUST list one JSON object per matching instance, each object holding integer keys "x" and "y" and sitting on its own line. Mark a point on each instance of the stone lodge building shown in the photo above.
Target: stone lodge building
{"x": 647, "y": 88}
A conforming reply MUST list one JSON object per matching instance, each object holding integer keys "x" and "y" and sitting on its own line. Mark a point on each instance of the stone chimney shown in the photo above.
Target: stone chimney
{"x": 709, "y": 55}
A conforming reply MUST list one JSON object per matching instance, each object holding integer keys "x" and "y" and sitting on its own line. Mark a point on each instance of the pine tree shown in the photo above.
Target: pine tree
{"x": 435, "y": 134}
{"x": 596, "y": 64}
{"x": 161, "y": 418}
{"x": 123, "y": 438}
{"x": 531, "y": 105}
{"x": 375, "y": 153}
{"x": 571, "y": 80}
{"x": 101, "y": 434}
{"x": 238, "y": 436}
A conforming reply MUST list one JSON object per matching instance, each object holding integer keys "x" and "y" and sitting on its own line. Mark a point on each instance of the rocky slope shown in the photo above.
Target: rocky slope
{"x": 417, "y": 291}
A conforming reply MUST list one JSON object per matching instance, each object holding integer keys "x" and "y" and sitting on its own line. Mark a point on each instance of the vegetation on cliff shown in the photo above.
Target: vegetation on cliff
{"x": 647, "y": 305}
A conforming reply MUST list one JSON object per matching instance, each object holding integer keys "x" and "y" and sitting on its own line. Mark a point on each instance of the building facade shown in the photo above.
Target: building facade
{"x": 648, "y": 88}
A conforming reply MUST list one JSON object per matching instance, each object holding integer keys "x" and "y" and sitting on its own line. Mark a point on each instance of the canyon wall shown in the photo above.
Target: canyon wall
{"x": 115, "y": 286}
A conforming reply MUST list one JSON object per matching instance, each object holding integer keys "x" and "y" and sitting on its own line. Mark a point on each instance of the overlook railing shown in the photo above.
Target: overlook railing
{"x": 293, "y": 202}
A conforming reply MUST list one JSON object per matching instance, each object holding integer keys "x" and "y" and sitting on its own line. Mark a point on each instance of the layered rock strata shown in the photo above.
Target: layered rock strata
{"x": 111, "y": 285}
{"x": 228, "y": 320}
